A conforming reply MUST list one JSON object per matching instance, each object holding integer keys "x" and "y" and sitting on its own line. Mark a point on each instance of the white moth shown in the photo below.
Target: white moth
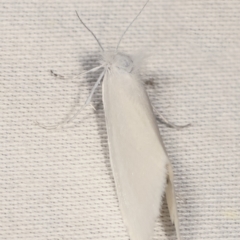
{"x": 141, "y": 168}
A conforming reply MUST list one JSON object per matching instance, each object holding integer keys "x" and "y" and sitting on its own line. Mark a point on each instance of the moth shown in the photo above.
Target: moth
{"x": 140, "y": 165}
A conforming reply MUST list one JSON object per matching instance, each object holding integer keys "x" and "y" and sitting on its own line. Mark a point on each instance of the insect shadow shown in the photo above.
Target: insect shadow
{"x": 152, "y": 84}
{"x": 90, "y": 61}
{"x": 167, "y": 225}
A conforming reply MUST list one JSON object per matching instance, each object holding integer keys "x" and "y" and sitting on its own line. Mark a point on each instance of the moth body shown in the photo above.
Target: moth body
{"x": 138, "y": 159}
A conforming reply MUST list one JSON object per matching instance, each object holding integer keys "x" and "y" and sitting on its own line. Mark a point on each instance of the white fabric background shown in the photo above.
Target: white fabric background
{"x": 58, "y": 184}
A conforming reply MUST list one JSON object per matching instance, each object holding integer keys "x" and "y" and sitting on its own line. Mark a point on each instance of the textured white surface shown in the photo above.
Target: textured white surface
{"x": 59, "y": 185}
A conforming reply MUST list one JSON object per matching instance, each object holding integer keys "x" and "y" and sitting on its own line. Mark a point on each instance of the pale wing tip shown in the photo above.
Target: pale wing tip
{"x": 171, "y": 201}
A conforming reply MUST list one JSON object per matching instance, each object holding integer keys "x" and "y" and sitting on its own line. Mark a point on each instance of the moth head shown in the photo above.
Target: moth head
{"x": 119, "y": 60}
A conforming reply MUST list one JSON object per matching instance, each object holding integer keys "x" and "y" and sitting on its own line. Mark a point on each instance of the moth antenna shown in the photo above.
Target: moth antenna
{"x": 131, "y": 24}
{"x": 90, "y": 31}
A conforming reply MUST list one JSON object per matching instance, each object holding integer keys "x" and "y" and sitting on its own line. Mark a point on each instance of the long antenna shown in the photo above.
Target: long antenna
{"x": 90, "y": 31}
{"x": 131, "y": 24}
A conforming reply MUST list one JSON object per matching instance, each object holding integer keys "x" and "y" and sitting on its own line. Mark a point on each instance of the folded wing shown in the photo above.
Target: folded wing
{"x": 137, "y": 155}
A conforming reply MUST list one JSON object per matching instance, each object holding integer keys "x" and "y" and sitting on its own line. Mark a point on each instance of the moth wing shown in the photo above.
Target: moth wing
{"x": 171, "y": 199}
{"x": 137, "y": 155}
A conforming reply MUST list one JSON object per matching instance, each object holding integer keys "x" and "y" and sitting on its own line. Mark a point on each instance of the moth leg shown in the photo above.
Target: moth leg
{"x": 56, "y": 75}
{"x": 49, "y": 127}
{"x": 169, "y": 124}
{"x": 76, "y": 109}
{"x": 69, "y": 118}
{"x": 91, "y": 105}
{"x": 63, "y": 122}
{"x": 68, "y": 77}
{"x": 74, "y": 76}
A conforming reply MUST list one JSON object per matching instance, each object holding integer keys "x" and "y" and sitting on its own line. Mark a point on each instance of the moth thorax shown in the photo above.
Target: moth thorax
{"x": 123, "y": 62}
